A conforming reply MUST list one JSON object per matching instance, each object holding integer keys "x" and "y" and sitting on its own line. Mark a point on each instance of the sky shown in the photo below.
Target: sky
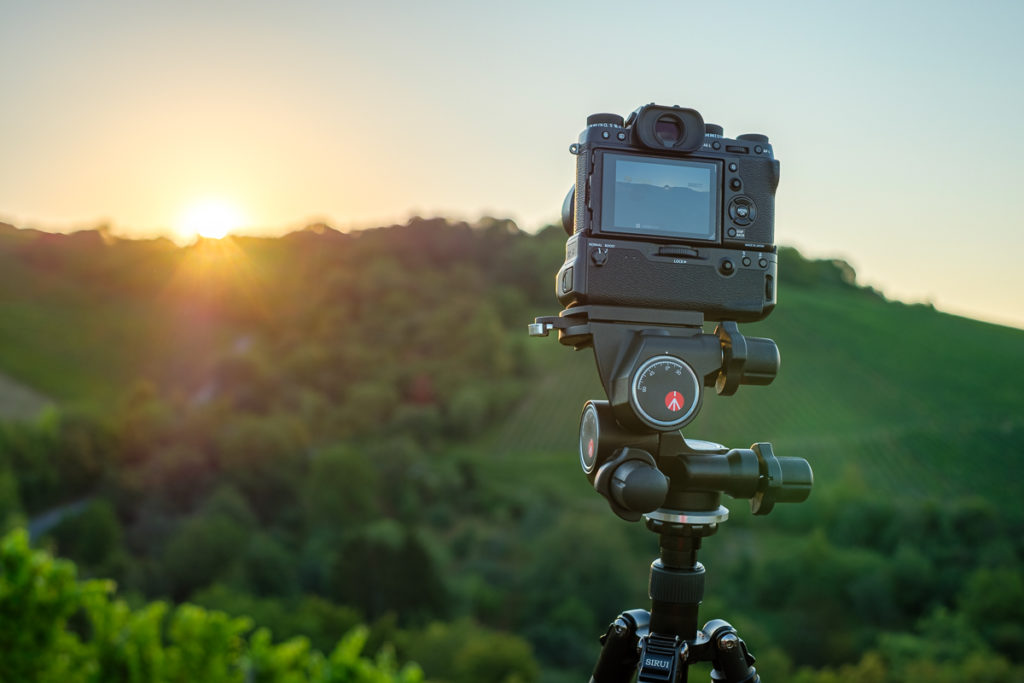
{"x": 895, "y": 123}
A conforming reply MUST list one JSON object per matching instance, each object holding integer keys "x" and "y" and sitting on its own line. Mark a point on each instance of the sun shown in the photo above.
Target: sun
{"x": 210, "y": 218}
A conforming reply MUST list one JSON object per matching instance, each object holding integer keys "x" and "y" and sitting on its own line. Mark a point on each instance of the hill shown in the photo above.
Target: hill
{"x": 322, "y": 429}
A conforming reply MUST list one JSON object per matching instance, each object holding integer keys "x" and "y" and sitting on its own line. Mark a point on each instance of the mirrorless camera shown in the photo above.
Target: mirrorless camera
{"x": 667, "y": 213}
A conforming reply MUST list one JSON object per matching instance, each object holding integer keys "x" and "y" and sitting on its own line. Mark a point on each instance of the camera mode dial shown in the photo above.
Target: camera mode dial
{"x": 665, "y": 393}
{"x": 605, "y": 119}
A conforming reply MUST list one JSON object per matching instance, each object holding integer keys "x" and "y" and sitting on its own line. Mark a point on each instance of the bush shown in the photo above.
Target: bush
{"x": 39, "y": 596}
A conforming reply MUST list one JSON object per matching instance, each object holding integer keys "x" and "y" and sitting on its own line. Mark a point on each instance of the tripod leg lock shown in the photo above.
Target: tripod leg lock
{"x": 730, "y": 659}
{"x": 620, "y": 647}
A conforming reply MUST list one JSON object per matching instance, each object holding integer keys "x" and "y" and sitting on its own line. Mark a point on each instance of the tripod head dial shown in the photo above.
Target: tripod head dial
{"x": 665, "y": 393}
{"x": 602, "y": 438}
{"x": 590, "y": 437}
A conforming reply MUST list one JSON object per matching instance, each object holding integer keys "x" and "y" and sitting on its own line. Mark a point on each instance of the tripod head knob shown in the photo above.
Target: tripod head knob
{"x": 631, "y": 483}
{"x": 787, "y": 480}
{"x": 638, "y": 486}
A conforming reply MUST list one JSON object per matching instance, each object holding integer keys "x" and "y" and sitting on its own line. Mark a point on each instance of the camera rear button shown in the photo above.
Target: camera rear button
{"x": 746, "y": 260}
{"x": 763, "y": 263}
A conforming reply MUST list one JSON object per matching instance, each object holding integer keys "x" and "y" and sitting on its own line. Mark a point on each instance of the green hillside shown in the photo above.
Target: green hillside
{"x": 323, "y": 430}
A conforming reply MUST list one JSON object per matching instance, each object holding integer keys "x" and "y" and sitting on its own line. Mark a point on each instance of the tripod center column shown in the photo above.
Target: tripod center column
{"x": 676, "y": 587}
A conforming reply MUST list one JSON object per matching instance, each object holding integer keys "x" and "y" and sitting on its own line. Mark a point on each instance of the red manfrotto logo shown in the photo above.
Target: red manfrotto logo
{"x": 674, "y": 401}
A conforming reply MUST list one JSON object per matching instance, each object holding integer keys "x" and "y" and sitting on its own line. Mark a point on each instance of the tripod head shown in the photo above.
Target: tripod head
{"x": 654, "y": 365}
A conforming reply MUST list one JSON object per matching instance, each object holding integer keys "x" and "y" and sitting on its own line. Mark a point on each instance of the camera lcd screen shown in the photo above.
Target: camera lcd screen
{"x": 659, "y": 197}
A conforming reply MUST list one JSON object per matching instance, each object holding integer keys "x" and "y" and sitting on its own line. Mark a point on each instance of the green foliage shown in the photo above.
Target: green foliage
{"x": 39, "y": 596}
{"x": 464, "y": 652}
{"x": 201, "y": 551}
{"x": 92, "y": 537}
{"x": 372, "y": 573}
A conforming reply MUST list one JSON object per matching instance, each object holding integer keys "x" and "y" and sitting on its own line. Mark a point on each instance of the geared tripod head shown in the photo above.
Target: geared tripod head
{"x": 654, "y": 366}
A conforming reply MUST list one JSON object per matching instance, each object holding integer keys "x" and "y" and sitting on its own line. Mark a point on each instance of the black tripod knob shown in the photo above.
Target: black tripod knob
{"x": 638, "y": 486}
{"x": 631, "y": 483}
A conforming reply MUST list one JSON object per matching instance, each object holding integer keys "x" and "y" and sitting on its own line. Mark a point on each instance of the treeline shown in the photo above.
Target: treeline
{"x": 298, "y": 446}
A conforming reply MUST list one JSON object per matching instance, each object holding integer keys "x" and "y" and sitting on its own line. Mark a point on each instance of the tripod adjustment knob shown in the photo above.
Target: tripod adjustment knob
{"x": 638, "y": 486}
{"x": 631, "y": 483}
{"x": 783, "y": 480}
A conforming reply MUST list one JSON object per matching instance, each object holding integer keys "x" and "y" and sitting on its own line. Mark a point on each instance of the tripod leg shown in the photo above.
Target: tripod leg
{"x": 619, "y": 652}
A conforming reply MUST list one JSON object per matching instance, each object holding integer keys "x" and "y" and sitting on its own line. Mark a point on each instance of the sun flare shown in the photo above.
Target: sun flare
{"x": 211, "y": 218}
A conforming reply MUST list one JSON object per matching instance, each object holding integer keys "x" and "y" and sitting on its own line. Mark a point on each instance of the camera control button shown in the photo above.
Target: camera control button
{"x": 742, "y": 211}
{"x": 746, "y": 260}
{"x": 733, "y": 166}
{"x": 726, "y": 267}
{"x": 735, "y": 183}
{"x": 731, "y": 232}
{"x": 763, "y": 262}
{"x": 599, "y": 256}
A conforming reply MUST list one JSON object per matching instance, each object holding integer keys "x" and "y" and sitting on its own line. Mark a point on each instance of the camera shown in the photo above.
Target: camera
{"x": 667, "y": 213}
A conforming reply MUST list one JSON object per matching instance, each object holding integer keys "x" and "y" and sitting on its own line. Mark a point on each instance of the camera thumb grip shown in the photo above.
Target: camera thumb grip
{"x": 639, "y": 487}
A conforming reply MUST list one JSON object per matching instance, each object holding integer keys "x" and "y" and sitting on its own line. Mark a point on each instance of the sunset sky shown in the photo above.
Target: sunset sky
{"x": 897, "y": 124}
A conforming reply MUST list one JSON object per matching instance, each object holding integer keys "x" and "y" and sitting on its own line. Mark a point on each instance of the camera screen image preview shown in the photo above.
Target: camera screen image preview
{"x": 663, "y": 197}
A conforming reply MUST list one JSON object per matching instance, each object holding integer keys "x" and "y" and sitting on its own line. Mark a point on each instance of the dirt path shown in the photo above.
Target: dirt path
{"x": 18, "y": 402}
